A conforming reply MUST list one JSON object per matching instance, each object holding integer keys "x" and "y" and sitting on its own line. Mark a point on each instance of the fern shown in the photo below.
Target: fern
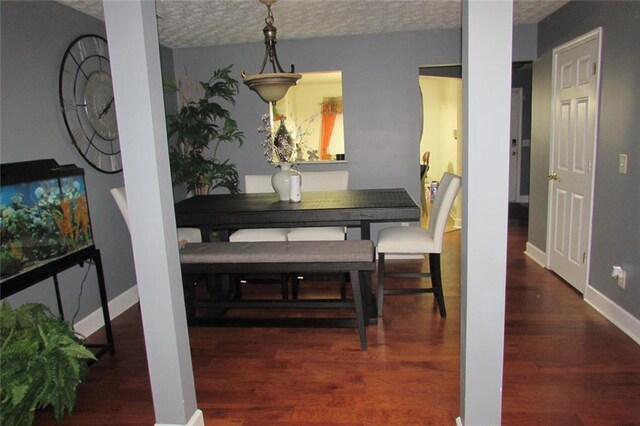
{"x": 42, "y": 363}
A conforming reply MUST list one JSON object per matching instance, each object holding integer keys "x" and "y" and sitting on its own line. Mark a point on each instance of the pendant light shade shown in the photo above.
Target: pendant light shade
{"x": 271, "y": 87}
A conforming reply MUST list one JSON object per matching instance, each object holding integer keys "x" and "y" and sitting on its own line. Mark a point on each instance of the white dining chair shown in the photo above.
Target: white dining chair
{"x": 256, "y": 184}
{"x": 185, "y": 235}
{"x": 260, "y": 184}
{"x": 188, "y": 235}
{"x": 320, "y": 181}
{"x": 417, "y": 240}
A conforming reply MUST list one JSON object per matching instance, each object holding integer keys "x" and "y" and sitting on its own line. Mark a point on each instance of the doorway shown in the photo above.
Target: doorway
{"x": 441, "y": 139}
{"x": 441, "y": 89}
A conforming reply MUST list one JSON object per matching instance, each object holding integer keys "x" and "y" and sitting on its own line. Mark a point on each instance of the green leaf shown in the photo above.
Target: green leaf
{"x": 200, "y": 126}
{"x": 42, "y": 363}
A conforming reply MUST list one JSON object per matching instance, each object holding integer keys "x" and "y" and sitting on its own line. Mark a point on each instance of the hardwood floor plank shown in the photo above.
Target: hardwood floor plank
{"x": 564, "y": 364}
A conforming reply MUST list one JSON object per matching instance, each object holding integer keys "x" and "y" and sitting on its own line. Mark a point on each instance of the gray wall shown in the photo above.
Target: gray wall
{"x": 540, "y": 139}
{"x": 380, "y": 90}
{"x": 34, "y": 37}
{"x": 616, "y": 233}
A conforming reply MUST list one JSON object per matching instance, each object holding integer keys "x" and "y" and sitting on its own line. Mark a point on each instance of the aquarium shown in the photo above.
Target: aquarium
{"x": 44, "y": 214}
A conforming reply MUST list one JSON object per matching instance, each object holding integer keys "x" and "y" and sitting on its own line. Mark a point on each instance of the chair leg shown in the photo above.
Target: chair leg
{"x": 237, "y": 287}
{"x": 436, "y": 282}
{"x": 343, "y": 286}
{"x": 284, "y": 285}
{"x": 380, "y": 292}
{"x": 295, "y": 285}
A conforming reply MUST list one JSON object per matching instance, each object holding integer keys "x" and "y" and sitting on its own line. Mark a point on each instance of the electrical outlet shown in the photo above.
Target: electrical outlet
{"x": 621, "y": 275}
{"x": 622, "y": 164}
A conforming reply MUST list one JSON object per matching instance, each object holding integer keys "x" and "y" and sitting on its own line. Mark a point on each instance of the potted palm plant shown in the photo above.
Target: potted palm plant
{"x": 201, "y": 125}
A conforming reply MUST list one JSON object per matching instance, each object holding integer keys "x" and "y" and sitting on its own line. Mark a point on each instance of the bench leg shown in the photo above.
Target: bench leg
{"x": 189, "y": 296}
{"x": 357, "y": 299}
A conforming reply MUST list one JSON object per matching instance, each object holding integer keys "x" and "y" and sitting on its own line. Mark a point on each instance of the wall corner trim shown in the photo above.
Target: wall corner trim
{"x": 94, "y": 321}
{"x": 614, "y": 313}
{"x": 535, "y": 254}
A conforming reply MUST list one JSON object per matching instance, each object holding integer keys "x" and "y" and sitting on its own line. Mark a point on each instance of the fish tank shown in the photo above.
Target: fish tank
{"x": 44, "y": 214}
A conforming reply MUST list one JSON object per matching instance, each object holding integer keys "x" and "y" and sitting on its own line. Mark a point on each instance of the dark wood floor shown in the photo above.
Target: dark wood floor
{"x": 564, "y": 364}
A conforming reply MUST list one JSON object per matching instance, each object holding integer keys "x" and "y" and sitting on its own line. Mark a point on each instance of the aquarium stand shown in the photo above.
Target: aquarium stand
{"x": 51, "y": 269}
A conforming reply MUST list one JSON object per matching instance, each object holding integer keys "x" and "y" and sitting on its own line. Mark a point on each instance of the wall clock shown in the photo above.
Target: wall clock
{"x": 86, "y": 99}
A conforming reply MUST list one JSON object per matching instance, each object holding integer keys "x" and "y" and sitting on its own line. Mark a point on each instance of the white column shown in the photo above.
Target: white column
{"x": 135, "y": 64}
{"x": 486, "y": 76}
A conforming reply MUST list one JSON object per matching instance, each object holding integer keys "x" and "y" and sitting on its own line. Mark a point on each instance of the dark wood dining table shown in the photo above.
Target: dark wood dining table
{"x": 357, "y": 208}
{"x": 354, "y": 208}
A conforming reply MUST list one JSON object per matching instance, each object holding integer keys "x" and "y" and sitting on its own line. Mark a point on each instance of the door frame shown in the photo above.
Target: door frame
{"x": 518, "y": 163}
{"x": 594, "y": 34}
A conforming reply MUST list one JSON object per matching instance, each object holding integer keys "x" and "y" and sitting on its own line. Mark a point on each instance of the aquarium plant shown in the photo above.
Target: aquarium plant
{"x": 44, "y": 219}
{"x": 42, "y": 363}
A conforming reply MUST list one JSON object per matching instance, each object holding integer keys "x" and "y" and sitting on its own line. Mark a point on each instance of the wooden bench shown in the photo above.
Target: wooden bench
{"x": 354, "y": 257}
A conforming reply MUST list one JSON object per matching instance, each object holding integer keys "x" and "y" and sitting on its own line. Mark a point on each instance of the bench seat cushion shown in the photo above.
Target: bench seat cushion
{"x": 344, "y": 251}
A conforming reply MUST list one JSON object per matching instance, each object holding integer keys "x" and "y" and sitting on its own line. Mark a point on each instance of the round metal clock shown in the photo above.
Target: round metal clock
{"x": 86, "y": 99}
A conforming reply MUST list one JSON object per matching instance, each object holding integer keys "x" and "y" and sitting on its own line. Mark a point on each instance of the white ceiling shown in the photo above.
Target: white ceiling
{"x": 192, "y": 23}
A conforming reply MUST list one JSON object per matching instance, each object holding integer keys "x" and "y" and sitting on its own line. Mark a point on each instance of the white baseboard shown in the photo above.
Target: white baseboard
{"x": 614, "y": 313}
{"x": 535, "y": 254}
{"x": 459, "y": 421}
{"x": 196, "y": 420}
{"x": 94, "y": 321}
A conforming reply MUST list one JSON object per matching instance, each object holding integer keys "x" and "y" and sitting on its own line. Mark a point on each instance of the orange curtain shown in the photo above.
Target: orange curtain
{"x": 331, "y": 107}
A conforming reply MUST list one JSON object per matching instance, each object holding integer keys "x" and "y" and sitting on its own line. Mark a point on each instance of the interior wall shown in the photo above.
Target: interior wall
{"x": 34, "y": 37}
{"x": 615, "y": 235}
{"x": 440, "y": 99}
{"x": 381, "y": 95}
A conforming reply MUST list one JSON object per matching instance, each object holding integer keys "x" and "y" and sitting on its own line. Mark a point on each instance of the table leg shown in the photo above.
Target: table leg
{"x": 370, "y": 307}
{"x": 58, "y": 297}
{"x": 365, "y": 230}
{"x": 97, "y": 260}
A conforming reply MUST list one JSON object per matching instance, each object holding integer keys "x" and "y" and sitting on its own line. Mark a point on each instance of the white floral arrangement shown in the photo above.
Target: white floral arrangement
{"x": 284, "y": 145}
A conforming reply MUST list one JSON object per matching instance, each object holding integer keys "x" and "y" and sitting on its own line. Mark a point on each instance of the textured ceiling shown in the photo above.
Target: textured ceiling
{"x": 192, "y": 23}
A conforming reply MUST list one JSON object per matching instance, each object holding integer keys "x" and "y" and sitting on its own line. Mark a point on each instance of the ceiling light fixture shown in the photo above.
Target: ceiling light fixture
{"x": 271, "y": 87}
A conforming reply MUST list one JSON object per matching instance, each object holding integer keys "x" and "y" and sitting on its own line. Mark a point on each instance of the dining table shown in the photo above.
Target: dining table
{"x": 357, "y": 208}
{"x": 219, "y": 214}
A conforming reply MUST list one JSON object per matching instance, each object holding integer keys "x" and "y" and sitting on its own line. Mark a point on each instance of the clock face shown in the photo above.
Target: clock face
{"x": 86, "y": 99}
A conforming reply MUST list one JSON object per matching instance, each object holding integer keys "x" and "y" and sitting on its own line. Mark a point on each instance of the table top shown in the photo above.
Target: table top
{"x": 321, "y": 208}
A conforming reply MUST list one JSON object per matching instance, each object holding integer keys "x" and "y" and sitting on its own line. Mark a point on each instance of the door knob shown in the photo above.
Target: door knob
{"x": 553, "y": 176}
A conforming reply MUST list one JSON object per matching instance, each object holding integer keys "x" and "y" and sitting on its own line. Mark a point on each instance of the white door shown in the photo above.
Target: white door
{"x": 575, "y": 103}
{"x": 514, "y": 144}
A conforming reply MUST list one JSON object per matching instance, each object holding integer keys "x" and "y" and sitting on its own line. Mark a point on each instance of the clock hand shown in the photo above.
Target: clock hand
{"x": 106, "y": 109}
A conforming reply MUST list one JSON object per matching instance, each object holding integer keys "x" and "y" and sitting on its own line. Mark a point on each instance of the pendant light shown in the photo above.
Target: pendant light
{"x": 271, "y": 87}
